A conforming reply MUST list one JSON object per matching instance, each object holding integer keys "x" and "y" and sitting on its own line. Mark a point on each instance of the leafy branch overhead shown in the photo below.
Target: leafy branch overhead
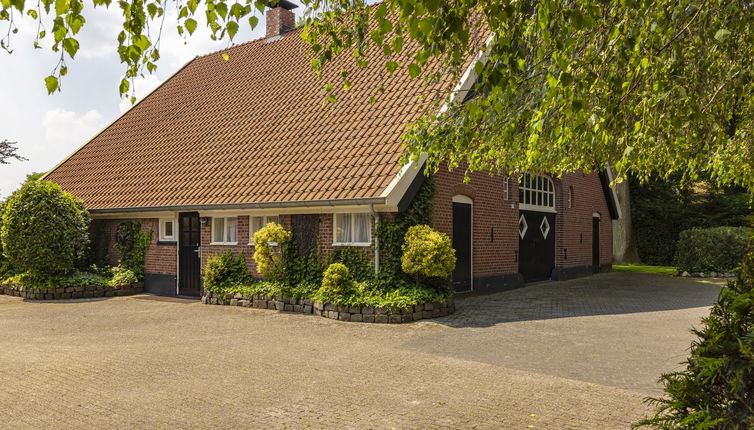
{"x": 646, "y": 86}
{"x": 60, "y": 22}
{"x": 652, "y": 87}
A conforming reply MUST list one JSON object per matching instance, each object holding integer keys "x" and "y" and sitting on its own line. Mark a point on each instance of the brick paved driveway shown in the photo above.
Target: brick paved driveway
{"x": 577, "y": 354}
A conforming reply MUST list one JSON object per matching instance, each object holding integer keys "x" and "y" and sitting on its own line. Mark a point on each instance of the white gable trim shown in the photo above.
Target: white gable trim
{"x": 400, "y": 184}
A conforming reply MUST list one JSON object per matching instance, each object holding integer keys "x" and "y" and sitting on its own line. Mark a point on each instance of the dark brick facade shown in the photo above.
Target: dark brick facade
{"x": 495, "y": 223}
{"x": 495, "y": 229}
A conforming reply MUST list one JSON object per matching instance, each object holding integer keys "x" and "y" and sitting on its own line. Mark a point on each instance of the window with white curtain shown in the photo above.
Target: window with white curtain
{"x": 224, "y": 230}
{"x": 352, "y": 229}
{"x": 257, "y": 222}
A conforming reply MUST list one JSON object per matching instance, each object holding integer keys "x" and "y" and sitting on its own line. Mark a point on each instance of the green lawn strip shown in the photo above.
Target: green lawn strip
{"x": 641, "y": 268}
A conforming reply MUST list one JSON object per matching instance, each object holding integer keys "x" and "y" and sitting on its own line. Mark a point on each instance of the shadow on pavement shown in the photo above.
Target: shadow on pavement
{"x": 602, "y": 294}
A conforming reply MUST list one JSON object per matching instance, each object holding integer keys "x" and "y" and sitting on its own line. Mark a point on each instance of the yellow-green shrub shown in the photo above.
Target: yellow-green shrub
{"x": 427, "y": 253}
{"x": 337, "y": 285}
{"x": 269, "y": 260}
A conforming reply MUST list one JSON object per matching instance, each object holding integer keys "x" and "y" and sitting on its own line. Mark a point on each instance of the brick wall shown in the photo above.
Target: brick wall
{"x": 495, "y": 222}
{"x": 159, "y": 259}
{"x": 242, "y": 246}
{"x": 574, "y": 225}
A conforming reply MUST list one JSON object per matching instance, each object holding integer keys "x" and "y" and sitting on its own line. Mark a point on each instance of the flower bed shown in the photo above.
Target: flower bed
{"x": 367, "y": 314}
{"x": 63, "y": 293}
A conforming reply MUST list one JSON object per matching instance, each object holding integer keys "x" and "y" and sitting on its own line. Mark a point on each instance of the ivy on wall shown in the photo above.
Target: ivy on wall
{"x": 132, "y": 243}
{"x": 391, "y": 233}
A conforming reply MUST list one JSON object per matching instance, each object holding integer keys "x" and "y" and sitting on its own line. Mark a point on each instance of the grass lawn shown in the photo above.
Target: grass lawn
{"x": 640, "y": 268}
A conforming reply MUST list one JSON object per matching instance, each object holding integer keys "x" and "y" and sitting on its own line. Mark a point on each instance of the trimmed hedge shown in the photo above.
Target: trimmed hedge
{"x": 44, "y": 230}
{"x": 718, "y": 249}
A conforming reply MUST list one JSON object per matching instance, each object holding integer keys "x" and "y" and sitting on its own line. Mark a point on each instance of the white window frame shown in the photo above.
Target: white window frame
{"x": 225, "y": 231}
{"x": 353, "y": 226}
{"x": 163, "y": 236}
{"x": 537, "y": 185}
{"x": 506, "y": 189}
{"x": 265, "y": 221}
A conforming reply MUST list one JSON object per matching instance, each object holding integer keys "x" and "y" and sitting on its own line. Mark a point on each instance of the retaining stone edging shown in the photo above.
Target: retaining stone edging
{"x": 343, "y": 313}
{"x": 64, "y": 293}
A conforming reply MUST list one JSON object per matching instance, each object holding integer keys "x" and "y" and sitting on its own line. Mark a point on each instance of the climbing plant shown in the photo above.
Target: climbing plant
{"x": 132, "y": 243}
{"x": 391, "y": 233}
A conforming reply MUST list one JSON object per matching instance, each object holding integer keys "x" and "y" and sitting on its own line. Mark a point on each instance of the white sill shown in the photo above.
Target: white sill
{"x": 352, "y": 244}
{"x": 167, "y": 239}
{"x": 223, "y": 243}
{"x": 268, "y": 243}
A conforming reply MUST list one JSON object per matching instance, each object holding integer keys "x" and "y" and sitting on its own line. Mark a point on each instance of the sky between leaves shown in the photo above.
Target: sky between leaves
{"x": 49, "y": 127}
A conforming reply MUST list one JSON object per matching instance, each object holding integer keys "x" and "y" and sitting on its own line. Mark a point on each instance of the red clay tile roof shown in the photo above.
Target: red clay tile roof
{"x": 253, "y": 129}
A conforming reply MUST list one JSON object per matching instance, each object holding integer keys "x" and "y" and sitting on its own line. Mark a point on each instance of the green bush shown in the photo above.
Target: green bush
{"x": 371, "y": 294}
{"x": 718, "y": 249}
{"x": 74, "y": 279}
{"x": 121, "y": 275}
{"x": 359, "y": 265}
{"x": 270, "y": 263}
{"x": 337, "y": 285}
{"x": 427, "y": 253}
{"x": 224, "y": 272}
{"x": 132, "y": 243}
{"x": 4, "y": 266}
{"x": 662, "y": 208}
{"x": 44, "y": 230}
{"x": 716, "y": 389}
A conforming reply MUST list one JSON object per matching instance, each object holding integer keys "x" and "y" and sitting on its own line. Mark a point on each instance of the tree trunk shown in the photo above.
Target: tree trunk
{"x": 624, "y": 247}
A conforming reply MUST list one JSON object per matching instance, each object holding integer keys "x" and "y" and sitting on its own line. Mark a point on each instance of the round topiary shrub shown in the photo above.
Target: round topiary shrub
{"x": 427, "y": 253}
{"x": 269, "y": 260}
{"x": 44, "y": 230}
{"x": 337, "y": 285}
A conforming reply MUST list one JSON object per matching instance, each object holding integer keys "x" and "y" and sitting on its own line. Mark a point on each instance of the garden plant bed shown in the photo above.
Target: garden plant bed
{"x": 337, "y": 312}
{"x": 64, "y": 293}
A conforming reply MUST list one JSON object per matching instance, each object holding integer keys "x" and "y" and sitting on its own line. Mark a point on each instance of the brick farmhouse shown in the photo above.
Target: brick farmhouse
{"x": 226, "y": 146}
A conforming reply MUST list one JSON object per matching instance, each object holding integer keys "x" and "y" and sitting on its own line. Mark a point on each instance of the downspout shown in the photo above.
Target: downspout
{"x": 376, "y": 238}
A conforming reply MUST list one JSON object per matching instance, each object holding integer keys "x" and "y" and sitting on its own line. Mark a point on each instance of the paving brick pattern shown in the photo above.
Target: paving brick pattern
{"x": 154, "y": 363}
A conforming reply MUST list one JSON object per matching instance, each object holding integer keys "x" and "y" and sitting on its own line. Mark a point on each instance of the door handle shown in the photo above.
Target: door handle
{"x": 198, "y": 250}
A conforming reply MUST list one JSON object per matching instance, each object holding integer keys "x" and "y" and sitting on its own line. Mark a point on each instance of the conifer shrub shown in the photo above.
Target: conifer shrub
{"x": 716, "y": 388}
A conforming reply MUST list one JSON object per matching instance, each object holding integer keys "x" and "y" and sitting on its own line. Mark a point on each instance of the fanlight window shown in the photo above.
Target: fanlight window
{"x": 536, "y": 191}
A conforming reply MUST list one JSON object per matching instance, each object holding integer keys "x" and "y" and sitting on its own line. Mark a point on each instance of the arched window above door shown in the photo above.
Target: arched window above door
{"x": 536, "y": 192}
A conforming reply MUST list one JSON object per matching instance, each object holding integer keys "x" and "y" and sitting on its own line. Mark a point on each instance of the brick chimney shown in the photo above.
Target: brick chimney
{"x": 280, "y": 17}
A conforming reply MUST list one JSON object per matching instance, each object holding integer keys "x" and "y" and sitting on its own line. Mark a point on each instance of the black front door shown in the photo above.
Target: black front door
{"x": 595, "y": 244}
{"x": 189, "y": 261}
{"x": 536, "y": 245}
{"x": 462, "y": 245}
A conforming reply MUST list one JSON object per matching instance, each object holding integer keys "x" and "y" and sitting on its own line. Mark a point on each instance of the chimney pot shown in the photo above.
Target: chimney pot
{"x": 280, "y": 18}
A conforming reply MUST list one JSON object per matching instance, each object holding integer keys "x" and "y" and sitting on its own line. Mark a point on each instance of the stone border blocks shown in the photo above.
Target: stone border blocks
{"x": 64, "y": 293}
{"x": 365, "y": 314}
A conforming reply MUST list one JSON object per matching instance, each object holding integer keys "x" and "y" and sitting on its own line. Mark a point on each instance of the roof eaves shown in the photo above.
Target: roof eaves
{"x": 256, "y": 205}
